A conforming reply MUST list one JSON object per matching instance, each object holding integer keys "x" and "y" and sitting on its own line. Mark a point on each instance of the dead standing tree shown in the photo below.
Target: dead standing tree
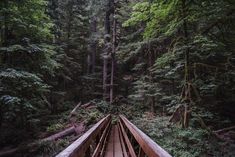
{"x": 109, "y": 52}
{"x": 113, "y": 54}
{"x": 92, "y": 50}
{"x": 106, "y": 58}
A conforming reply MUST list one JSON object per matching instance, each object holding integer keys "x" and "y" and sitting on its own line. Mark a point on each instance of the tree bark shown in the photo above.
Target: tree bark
{"x": 5, "y": 43}
{"x": 61, "y": 134}
{"x": 109, "y": 10}
{"x": 93, "y": 45}
{"x": 113, "y": 57}
{"x": 224, "y": 130}
{"x": 105, "y": 71}
{"x": 185, "y": 27}
{"x": 74, "y": 111}
{"x": 153, "y": 104}
{"x": 1, "y": 116}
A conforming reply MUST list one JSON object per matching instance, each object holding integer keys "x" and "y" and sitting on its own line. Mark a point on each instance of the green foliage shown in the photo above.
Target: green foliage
{"x": 154, "y": 44}
{"x": 144, "y": 89}
{"x": 209, "y": 50}
{"x": 90, "y": 116}
{"x": 22, "y": 21}
{"x": 155, "y": 15}
{"x": 55, "y": 127}
{"x": 16, "y": 103}
{"x": 190, "y": 142}
{"x": 43, "y": 51}
{"x": 27, "y": 60}
{"x": 50, "y": 148}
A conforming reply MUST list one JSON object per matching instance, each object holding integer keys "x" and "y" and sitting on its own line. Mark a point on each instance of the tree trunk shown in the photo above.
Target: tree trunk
{"x": 185, "y": 27}
{"x": 113, "y": 58}
{"x": 74, "y": 111}
{"x": 109, "y": 10}
{"x": 5, "y": 43}
{"x": 151, "y": 60}
{"x": 93, "y": 46}
{"x": 5, "y": 30}
{"x": 187, "y": 78}
{"x": 93, "y": 63}
{"x": 153, "y": 104}
{"x": 105, "y": 72}
{"x": 1, "y": 116}
{"x": 61, "y": 134}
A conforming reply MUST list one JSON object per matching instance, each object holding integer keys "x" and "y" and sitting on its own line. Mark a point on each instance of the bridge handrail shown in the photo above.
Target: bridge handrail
{"x": 149, "y": 147}
{"x": 81, "y": 145}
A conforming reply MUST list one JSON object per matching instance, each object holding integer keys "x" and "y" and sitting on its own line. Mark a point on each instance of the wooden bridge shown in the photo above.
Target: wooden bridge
{"x": 105, "y": 139}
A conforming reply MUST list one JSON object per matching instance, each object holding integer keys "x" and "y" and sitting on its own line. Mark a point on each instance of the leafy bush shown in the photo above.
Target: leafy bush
{"x": 21, "y": 95}
{"x": 190, "y": 142}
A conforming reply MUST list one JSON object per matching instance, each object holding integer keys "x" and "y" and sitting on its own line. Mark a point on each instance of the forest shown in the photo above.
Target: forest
{"x": 167, "y": 65}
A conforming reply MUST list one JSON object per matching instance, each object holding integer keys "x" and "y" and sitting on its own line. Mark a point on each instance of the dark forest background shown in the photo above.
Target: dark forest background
{"x": 173, "y": 61}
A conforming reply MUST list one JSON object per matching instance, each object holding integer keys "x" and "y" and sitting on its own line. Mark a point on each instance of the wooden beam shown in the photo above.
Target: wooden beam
{"x": 146, "y": 143}
{"x": 81, "y": 145}
{"x": 127, "y": 141}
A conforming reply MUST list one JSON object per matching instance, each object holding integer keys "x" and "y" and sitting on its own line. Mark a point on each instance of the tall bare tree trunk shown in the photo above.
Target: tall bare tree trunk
{"x": 185, "y": 27}
{"x": 108, "y": 52}
{"x": 105, "y": 71}
{"x": 5, "y": 32}
{"x": 109, "y": 11}
{"x": 5, "y": 43}
{"x": 91, "y": 57}
{"x": 113, "y": 56}
{"x": 1, "y": 115}
{"x": 187, "y": 87}
{"x": 94, "y": 45}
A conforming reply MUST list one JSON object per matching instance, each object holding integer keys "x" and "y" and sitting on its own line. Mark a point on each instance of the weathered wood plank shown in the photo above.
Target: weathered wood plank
{"x": 109, "y": 152}
{"x": 117, "y": 143}
{"x": 124, "y": 149}
{"x": 131, "y": 151}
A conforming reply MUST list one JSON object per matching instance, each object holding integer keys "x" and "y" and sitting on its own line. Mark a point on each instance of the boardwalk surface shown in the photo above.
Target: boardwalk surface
{"x": 114, "y": 140}
{"x": 114, "y": 147}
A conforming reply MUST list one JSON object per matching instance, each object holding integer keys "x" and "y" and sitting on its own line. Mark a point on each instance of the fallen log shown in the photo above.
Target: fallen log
{"x": 225, "y": 134}
{"x": 76, "y": 129}
{"x": 8, "y": 152}
{"x": 91, "y": 107}
{"x": 74, "y": 111}
{"x": 224, "y": 130}
{"x": 86, "y": 105}
{"x": 73, "y": 114}
{"x": 61, "y": 134}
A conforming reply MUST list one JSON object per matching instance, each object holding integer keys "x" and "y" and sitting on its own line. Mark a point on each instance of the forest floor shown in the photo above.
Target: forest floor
{"x": 191, "y": 142}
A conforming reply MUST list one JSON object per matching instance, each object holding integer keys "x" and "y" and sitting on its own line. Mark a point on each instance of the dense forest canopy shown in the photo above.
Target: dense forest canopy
{"x": 169, "y": 65}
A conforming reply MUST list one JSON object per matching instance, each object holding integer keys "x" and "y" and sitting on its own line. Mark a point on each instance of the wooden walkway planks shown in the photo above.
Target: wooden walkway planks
{"x": 110, "y": 148}
{"x": 105, "y": 139}
{"x": 117, "y": 143}
{"x": 114, "y": 148}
